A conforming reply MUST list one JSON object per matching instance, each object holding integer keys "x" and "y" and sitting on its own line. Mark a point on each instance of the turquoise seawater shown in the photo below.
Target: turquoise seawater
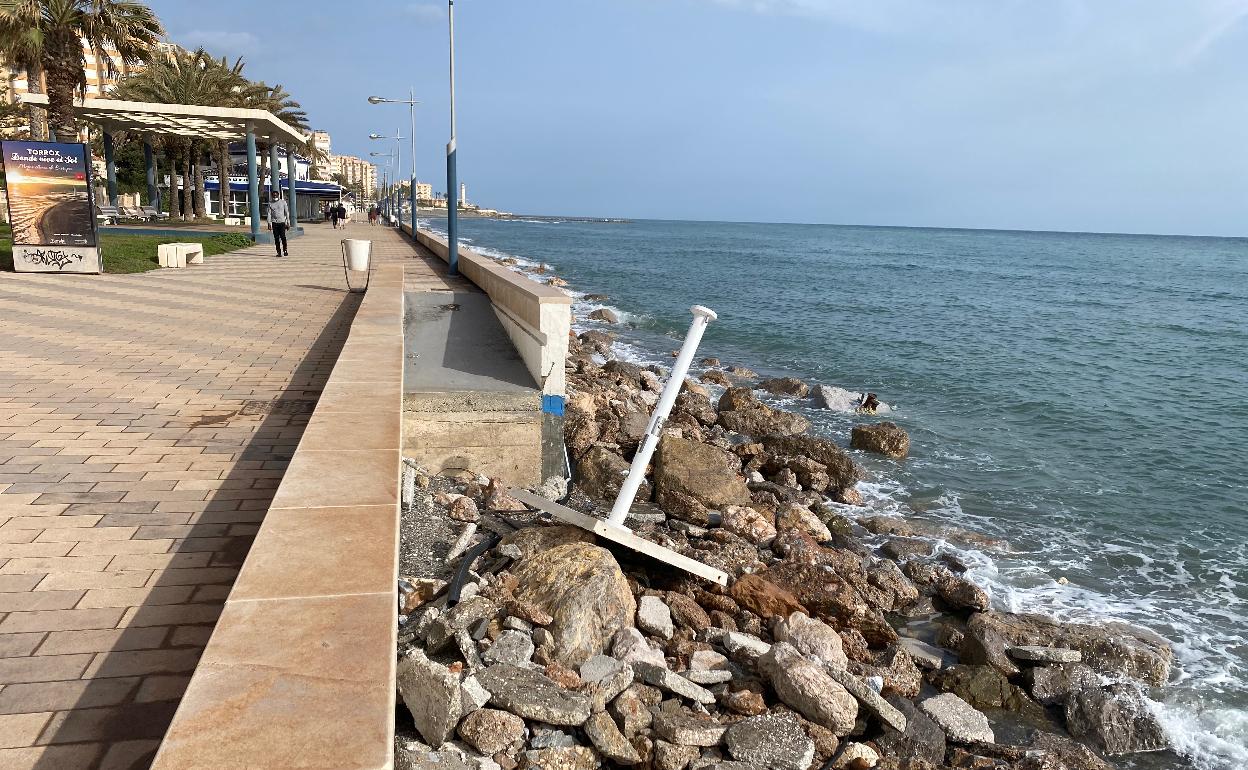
{"x": 1083, "y": 396}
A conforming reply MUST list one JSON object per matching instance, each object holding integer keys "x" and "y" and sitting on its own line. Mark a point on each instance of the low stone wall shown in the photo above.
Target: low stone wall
{"x": 536, "y": 317}
{"x": 300, "y": 668}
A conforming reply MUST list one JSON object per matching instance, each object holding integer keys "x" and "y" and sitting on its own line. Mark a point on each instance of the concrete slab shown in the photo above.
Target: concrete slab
{"x": 454, "y": 343}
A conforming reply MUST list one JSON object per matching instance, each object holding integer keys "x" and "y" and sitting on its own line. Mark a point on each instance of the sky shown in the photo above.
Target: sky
{"x": 1084, "y": 115}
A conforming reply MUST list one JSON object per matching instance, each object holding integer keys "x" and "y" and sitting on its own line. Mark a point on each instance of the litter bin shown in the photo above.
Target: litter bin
{"x": 357, "y": 257}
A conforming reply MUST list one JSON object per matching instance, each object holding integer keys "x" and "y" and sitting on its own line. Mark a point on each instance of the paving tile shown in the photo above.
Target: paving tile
{"x": 134, "y": 597}
{"x": 338, "y": 478}
{"x": 156, "y": 688}
{"x": 169, "y": 615}
{"x": 60, "y": 620}
{"x": 113, "y": 723}
{"x": 43, "y": 669}
{"x": 20, "y": 645}
{"x": 129, "y": 755}
{"x": 109, "y": 579}
{"x": 39, "y": 600}
{"x": 74, "y": 756}
{"x": 103, "y": 640}
{"x": 62, "y": 696}
{"x": 12, "y": 583}
{"x": 142, "y": 662}
{"x": 21, "y": 729}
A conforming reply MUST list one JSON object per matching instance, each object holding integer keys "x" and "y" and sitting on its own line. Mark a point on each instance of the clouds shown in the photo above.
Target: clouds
{"x": 219, "y": 42}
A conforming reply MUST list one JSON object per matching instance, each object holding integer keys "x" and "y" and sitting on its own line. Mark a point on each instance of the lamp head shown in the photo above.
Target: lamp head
{"x": 376, "y": 136}
{"x": 376, "y": 100}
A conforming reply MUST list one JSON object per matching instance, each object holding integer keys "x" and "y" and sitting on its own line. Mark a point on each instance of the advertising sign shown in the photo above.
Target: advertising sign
{"x": 50, "y": 208}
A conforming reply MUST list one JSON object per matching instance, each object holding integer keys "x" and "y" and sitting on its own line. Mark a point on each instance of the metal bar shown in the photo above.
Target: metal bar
{"x": 290, "y": 179}
{"x": 110, "y": 169}
{"x": 253, "y": 184}
{"x": 149, "y": 161}
{"x": 452, "y": 184}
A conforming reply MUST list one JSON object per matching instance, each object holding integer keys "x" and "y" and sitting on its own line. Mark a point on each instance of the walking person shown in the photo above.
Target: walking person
{"x": 333, "y": 215}
{"x": 341, "y": 213}
{"x": 279, "y": 220}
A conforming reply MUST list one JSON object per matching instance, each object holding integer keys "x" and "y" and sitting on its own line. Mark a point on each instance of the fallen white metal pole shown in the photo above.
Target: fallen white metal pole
{"x": 650, "y": 440}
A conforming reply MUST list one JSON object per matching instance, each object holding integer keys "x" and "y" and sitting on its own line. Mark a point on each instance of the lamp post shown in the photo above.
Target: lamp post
{"x": 452, "y": 186}
{"x": 385, "y": 184}
{"x": 411, "y": 105}
{"x": 398, "y": 174}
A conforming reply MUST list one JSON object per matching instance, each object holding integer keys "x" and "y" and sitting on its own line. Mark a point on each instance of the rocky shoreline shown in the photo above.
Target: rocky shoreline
{"x": 844, "y": 640}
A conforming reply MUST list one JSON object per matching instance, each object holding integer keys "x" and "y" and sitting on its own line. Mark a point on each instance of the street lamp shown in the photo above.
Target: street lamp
{"x": 385, "y": 187}
{"x": 411, "y": 104}
{"x": 452, "y": 188}
{"x": 398, "y": 172}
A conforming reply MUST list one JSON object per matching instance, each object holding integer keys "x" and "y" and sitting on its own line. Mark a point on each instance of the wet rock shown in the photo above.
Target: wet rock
{"x": 740, "y": 411}
{"x": 984, "y": 687}
{"x": 604, "y": 315}
{"x": 921, "y": 737}
{"x": 666, "y": 679}
{"x": 600, "y": 472}
{"x": 805, "y": 687}
{"x": 685, "y": 728}
{"x": 842, "y": 471}
{"x": 585, "y": 593}
{"x": 756, "y": 527}
{"x": 785, "y": 386}
{"x": 629, "y": 646}
{"x": 692, "y": 478}
{"x": 670, "y": 756}
{"x": 904, "y": 548}
{"x": 1111, "y": 648}
{"x": 983, "y": 644}
{"x": 490, "y": 731}
{"x": 600, "y": 341}
{"x": 958, "y": 592}
{"x": 813, "y": 638}
{"x": 654, "y": 617}
{"x": 610, "y": 742}
{"x": 1052, "y": 685}
{"x": 716, "y": 377}
{"x": 531, "y": 695}
{"x": 772, "y": 741}
{"x": 884, "y": 438}
{"x": 565, "y": 758}
{"x": 960, "y": 721}
{"x": 1037, "y": 654}
{"x": 434, "y": 695}
{"x": 1068, "y": 754}
{"x": 763, "y": 598}
{"x": 514, "y": 647}
{"x": 1115, "y": 718}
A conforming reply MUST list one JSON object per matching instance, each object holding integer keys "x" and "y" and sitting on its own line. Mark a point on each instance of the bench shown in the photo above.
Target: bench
{"x": 180, "y": 254}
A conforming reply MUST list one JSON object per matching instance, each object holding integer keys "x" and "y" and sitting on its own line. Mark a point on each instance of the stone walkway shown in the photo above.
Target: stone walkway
{"x": 145, "y": 422}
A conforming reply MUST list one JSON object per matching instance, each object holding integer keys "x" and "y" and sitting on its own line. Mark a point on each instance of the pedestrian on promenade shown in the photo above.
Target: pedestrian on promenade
{"x": 333, "y": 215}
{"x": 341, "y": 213}
{"x": 279, "y": 220}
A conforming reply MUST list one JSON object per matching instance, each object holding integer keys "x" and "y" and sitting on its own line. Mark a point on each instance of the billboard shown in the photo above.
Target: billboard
{"x": 50, "y": 207}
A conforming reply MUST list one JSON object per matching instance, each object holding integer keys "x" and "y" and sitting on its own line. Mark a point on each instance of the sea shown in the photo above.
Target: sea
{"x": 1083, "y": 396}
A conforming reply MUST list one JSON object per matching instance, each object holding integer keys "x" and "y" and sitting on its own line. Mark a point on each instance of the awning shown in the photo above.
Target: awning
{"x": 301, "y": 187}
{"x": 192, "y": 120}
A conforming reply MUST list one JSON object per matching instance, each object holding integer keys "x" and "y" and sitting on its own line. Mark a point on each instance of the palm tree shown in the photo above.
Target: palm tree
{"x": 48, "y": 35}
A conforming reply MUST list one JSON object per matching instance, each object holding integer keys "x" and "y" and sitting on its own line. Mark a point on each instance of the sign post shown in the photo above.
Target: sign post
{"x": 50, "y": 207}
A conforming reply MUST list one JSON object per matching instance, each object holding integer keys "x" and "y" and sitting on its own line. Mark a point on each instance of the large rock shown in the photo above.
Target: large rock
{"x": 741, "y": 411}
{"x": 490, "y": 731}
{"x": 534, "y": 540}
{"x": 842, "y": 471}
{"x": 921, "y": 737}
{"x": 960, "y": 721}
{"x": 871, "y": 700}
{"x": 884, "y": 438}
{"x": 985, "y": 687}
{"x": 774, "y": 741}
{"x": 813, "y": 638}
{"x": 785, "y": 386}
{"x": 763, "y": 598}
{"x": 807, "y": 688}
{"x": 531, "y": 695}
{"x": 434, "y": 695}
{"x": 1052, "y": 685}
{"x": 1115, "y": 718}
{"x": 757, "y": 527}
{"x": 666, "y": 679}
{"x": 600, "y": 472}
{"x": 801, "y": 518}
{"x": 585, "y": 593}
{"x": 685, "y": 728}
{"x": 691, "y": 479}
{"x": 561, "y": 758}
{"x": 654, "y": 617}
{"x": 1067, "y": 754}
{"x": 610, "y": 742}
{"x": 1111, "y": 648}
{"x": 604, "y": 315}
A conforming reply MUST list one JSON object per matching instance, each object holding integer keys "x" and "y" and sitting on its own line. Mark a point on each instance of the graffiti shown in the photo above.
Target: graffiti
{"x": 57, "y": 258}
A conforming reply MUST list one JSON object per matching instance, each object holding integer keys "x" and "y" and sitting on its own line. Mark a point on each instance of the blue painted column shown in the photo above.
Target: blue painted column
{"x": 275, "y": 179}
{"x": 291, "y": 167}
{"x": 253, "y": 184}
{"x": 452, "y": 211}
{"x": 149, "y": 161}
{"x": 110, "y": 169}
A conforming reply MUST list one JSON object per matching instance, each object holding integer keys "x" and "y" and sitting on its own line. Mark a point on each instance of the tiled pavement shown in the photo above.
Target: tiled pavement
{"x": 145, "y": 422}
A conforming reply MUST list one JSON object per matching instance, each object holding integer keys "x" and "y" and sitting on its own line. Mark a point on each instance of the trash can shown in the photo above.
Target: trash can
{"x": 357, "y": 256}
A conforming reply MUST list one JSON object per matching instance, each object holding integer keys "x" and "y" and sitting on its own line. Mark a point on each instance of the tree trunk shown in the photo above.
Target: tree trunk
{"x": 223, "y": 176}
{"x": 201, "y": 189}
{"x": 38, "y": 115}
{"x": 187, "y": 211}
{"x": 64, "y": 54}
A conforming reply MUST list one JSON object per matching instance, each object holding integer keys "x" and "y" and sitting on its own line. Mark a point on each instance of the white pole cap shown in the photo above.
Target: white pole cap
{"x": 705, "y": 312}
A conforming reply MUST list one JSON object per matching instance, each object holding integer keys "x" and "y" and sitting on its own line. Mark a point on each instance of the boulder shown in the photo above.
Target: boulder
{"x": 669, "y": 681}
{"x": 716, "y": 377}
{"x": 610, "y": 742}
{"x": 514, "y": 647}
{"x": 599, "y": 341}
{"x": 884, "y": 438}
{"x": 1052, "y": 685}
{"x": 900, "y": 673}
{"x": 927, "y": 656}
{"x": 604, "y": 315}
{"x": 842, "y": 471}
{"x": 957, "y": 592}
{"x": 807, "y": 688}
{"x": 756, "y": 527}
{"x": 785, "y": 386}
{"x": 691, "y": 479}
{"x": 669, "y": 756}
{"x": 684, "y": 728}
{"x": 740, "y": 411}
{"x": 434, "y": 695}
{"x": 813, "y": 638}
{"x": 985, "y": 687}
{"x": 585, "y": 593}
{"x": 600, "y": 472}
{"x": 687, "y": 613}
{"x": 490, "y": 731}
{"x": 1115, "y": 718}
{"x": 960, "y": 721}
{"x": 921, "y": 737}
{"x": 1069, "y": 755}
{"x": 775, "y": 741}
{"x": 836, "y": 399}
{"x": 531, "y": 695}
{"x": 799, "y": 517}
{"x": 983, "y": 644}
{"x": 631, "y": 708}
{"x": 1111, "y": 648}
{"x": 1038, "y": 654}
{"x": 629, "y": 646}
{"x": 534, "y": 540}
{"x": 763, "y": 598}
{"x": 654, "y": 617}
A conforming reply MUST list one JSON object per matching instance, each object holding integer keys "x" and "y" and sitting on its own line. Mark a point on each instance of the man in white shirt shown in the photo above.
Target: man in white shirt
{"x": 279, "y": 220}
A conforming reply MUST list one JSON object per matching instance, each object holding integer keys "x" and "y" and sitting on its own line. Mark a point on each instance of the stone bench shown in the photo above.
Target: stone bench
{"x": 180, "y": 254}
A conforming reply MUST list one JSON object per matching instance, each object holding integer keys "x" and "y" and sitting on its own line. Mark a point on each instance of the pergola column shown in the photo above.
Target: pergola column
{"x": 110, "y": 168}
{"x": 149, "y": 160}
{"x": 253, "y": 183}
{"x": 290, "y": 181}
{"x": 275, "y": 179}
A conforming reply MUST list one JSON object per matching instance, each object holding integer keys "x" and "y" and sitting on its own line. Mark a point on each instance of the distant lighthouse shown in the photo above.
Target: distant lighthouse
{"x": 463, "y": 194}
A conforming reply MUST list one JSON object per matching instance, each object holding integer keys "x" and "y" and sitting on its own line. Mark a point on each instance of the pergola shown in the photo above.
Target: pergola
{"x": 196, "y": 122}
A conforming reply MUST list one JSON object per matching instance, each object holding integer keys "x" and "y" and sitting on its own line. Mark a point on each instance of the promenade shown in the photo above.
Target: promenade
{"x": 145, "y": 422}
